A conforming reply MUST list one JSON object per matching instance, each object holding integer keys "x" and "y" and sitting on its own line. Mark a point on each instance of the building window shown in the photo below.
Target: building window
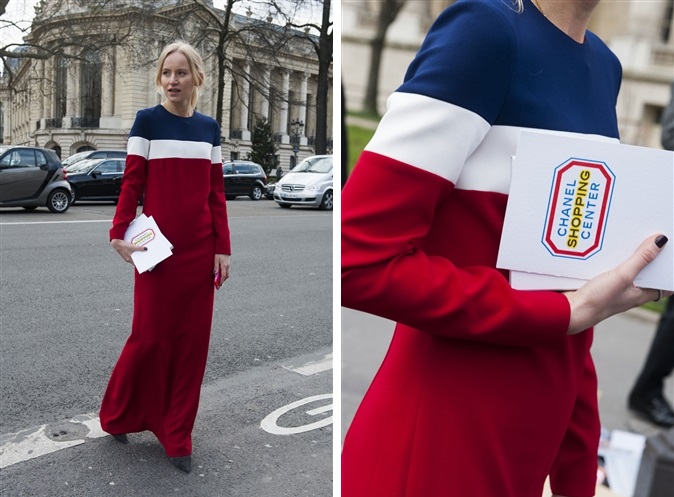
{"x": 90, "y": 90}
{"x": 61, "y": 87}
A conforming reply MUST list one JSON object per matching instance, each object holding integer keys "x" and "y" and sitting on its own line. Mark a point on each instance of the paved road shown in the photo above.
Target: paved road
{"x": 65, "y": 307}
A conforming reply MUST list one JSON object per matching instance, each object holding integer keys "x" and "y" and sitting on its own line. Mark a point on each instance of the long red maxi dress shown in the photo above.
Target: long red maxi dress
{"x": 155, "y": 385}
{"x": 482, "y": 393}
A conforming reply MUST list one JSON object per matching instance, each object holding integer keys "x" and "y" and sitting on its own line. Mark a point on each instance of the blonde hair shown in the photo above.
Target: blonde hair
{"x": 194, "y": 61}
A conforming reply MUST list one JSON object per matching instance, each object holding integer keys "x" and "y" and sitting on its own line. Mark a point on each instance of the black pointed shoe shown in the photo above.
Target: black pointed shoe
{"x": 655, "y": 409}
{"x": 183, "y": 463}
{"x": 121, "y": 438}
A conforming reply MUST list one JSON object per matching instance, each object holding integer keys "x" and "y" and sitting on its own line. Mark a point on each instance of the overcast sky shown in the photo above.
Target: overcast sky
{"x": 19, "y": 12}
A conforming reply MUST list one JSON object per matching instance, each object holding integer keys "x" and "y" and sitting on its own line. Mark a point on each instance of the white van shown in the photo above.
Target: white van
{"x": 309, "y": 183}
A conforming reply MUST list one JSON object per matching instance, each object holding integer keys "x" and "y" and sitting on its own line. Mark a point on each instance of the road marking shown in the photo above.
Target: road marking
{"x": 270, "y": 423}
{"x": 35, "y": 442}
{"x": 312, "y": 366}
{"x": 57, "y": 222}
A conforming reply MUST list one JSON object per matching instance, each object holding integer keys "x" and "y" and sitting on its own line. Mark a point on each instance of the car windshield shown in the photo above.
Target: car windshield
{"x": 83, "y": 166}
{"x": 75, "y": 158}
{"x": 320, "y": 165}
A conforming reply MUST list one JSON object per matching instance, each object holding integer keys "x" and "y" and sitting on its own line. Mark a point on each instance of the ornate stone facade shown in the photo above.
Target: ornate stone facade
{"x": 90, "y": 99}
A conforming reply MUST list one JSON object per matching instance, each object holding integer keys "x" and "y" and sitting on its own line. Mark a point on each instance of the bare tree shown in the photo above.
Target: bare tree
{"x": 101, "y": 24}
{"x": 389, "y": 10}
{"x": 323, "y": 46}
{"x": 266, "y": 42}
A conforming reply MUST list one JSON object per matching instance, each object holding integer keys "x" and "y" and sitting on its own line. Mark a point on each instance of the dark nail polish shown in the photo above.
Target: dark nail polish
{"x": 661, "y": 240}
{"x": 145, "y": 248}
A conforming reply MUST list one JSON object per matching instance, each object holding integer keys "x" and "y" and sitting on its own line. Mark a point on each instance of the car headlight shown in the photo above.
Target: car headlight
{"x": 313, "y": 188}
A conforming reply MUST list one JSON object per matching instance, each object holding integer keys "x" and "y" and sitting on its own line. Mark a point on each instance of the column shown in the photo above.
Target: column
{"x": 245, "y": 100}
{"x": 108, "y": 118}
{"x": 266, "y": 87}
{"x": 283, "y": 112}
{"x": 302, "y": 107}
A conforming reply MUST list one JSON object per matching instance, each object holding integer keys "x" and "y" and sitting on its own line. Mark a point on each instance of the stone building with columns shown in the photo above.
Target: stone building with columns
{"x": 640, "y": 33}
{"x": 89, "y": 99}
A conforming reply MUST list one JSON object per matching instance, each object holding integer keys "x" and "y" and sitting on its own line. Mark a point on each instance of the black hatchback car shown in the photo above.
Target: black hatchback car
{"x": 32, "y": 177}
{"x": 244, "y": 178}
{"x": 96, "y": 179}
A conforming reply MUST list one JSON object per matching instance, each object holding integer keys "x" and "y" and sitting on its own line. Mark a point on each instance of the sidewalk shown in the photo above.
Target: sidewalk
{"x": 619, "y": 348}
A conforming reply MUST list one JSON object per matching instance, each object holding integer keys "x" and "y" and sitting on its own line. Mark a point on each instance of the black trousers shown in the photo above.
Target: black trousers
{"x": 660, "y": 359}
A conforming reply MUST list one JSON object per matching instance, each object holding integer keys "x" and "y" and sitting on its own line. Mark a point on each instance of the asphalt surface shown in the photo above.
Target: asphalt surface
{"x": 65, "y": 312}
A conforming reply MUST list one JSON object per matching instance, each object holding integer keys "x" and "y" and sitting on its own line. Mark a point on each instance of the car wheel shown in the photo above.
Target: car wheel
{"x": 73, "y": 199}
{"x": 285, "y": 206}
{"x": 256, "y": 194}
{"x": 229, "y": 197}
{"x": 58, "y": 201}
{"x": 326, "y": 203}
{"x": 31, "y": 207}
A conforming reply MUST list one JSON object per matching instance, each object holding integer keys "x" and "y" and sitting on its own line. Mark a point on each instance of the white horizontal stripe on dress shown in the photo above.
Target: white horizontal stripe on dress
{"x": 428, "y": 133}
{"x": 180, "y": 149}
{"x": 489, "y": 166}
{"x": 216, "y": 155}
{"x": 138, "y": 146}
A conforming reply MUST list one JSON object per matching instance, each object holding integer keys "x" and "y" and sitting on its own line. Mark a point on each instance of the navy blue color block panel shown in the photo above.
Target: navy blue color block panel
{"x": 156, "y": 123}
{"x": 517, "y": 69}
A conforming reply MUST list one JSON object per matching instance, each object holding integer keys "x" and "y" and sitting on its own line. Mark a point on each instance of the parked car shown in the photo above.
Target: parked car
{"x": 96, "y": 179}
{"x": 309, "y": 183}
{"x": 32, "y": 177}
{"x": 244, "y": 178}
{"x": 93, "y": 154}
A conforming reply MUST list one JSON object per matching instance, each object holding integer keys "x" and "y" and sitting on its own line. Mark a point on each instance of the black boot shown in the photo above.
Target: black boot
{"x": 121, "y": 438}
{"x": 183, "y": 463}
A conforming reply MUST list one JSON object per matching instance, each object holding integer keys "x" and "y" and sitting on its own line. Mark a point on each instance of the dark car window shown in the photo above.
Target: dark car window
{"x": 116, "y": 154}
{"x": 41, "y": 158}
{"x": 19, "y": 158}
{"x": 109, "y": 166}
{"x": 98, "y": 155}
{"x": 242, "y": 168}
{"x": 227, "y": 169}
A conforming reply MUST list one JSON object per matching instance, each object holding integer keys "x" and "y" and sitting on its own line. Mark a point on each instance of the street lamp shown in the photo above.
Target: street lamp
{"x": 296, "y": 128}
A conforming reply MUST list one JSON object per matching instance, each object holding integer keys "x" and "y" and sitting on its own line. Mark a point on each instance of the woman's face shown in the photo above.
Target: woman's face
{"x": 176, "y": 79}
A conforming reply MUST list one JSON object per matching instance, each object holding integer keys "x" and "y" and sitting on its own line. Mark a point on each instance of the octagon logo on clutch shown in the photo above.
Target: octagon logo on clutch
{"x": 579, "y": 202}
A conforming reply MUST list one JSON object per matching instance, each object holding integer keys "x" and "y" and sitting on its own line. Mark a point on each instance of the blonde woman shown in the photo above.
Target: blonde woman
{"x": 173, "y": 160}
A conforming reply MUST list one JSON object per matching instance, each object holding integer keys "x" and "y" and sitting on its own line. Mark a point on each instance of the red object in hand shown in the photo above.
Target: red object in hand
{"x": 216, "y": 281}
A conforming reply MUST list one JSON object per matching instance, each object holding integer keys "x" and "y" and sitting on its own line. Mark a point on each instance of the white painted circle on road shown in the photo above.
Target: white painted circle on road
{"x": 270, "y": 423}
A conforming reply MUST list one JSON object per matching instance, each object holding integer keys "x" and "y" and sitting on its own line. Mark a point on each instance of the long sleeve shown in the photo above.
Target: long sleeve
{"x": 419, "y": 229}
{"x": 133, "y": 180}
{"x": 217, "y": 203}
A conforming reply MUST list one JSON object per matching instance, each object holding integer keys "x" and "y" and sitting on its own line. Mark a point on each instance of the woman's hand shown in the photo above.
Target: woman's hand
{"x": 125, "y": 249}
{"x": 614, "y": 291}
{"x": 221, "y": 265}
